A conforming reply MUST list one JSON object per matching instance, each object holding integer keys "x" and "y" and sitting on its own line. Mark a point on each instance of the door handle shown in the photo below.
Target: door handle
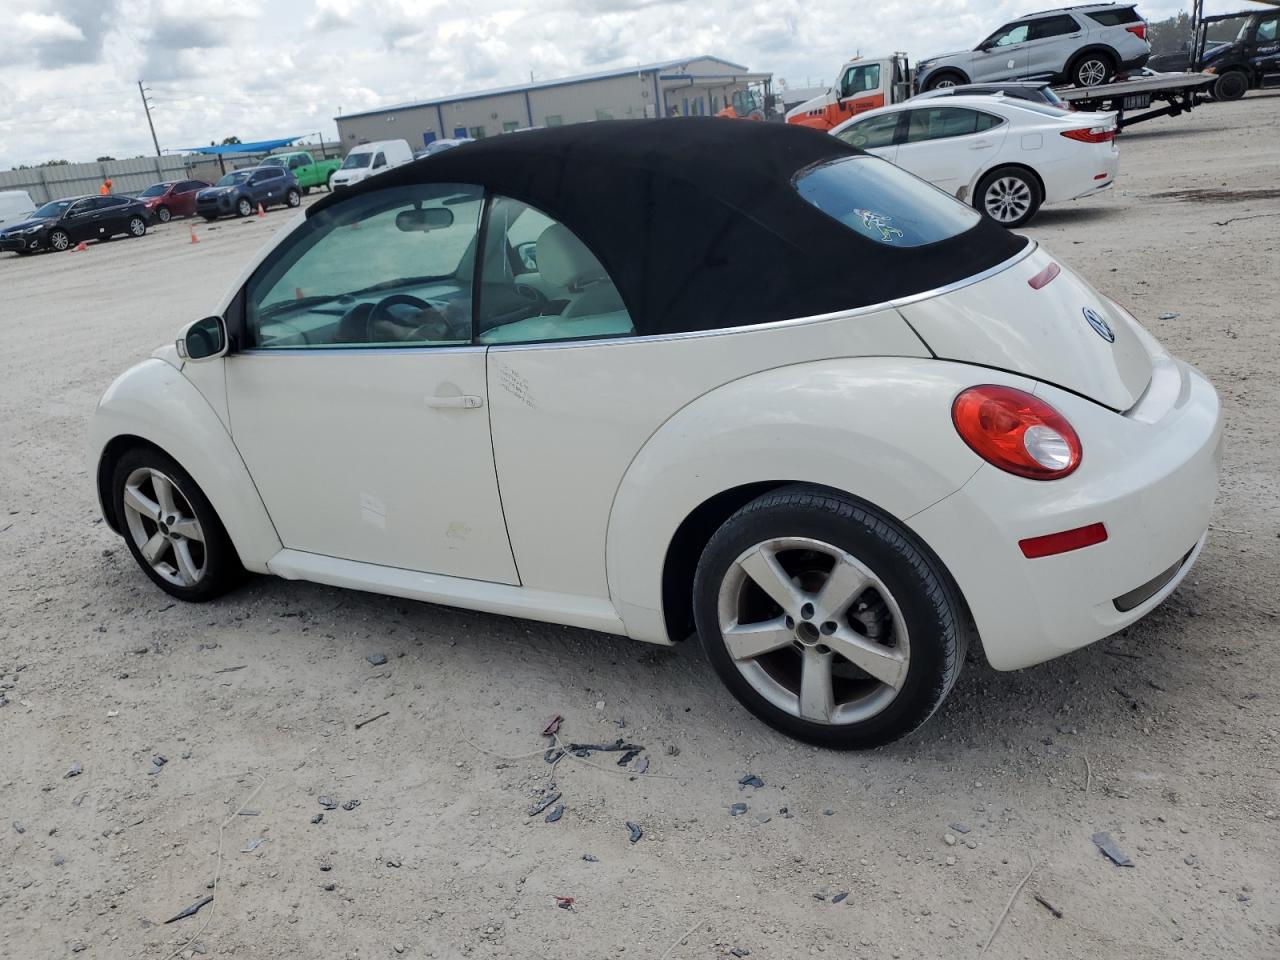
{"x": 465, "y": 402}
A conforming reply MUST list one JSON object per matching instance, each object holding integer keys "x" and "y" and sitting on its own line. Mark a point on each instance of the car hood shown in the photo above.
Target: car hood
{"x": 25, "y": 225}
{"x": 1037, "y": 318}
{"x": 944, "y": 56}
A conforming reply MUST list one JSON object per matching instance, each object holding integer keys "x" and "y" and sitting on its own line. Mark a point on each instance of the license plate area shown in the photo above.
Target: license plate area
{"x": 1137, "y": 101}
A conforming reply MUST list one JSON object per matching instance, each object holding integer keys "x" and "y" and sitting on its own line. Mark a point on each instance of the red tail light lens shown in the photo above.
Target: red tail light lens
{"x": 1015, "y": 431}
{"x": 1139, "y": 30}
{"x": 1091, "y": 134}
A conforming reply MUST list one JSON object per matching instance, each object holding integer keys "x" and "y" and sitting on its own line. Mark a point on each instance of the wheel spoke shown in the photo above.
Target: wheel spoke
{"x": 817, "y": 698}
{"x": 189, "y": 529}
{"x": 751, "y": 640}
{"x": 139, "y": 502}
{"x": 186, "y": 566}
{"x": 153, "y": 548}
{"x": 884, "y": 663}
{"x": 762, "y": 566}
{"x": 843, "y": 586}
{"x": 164, "y": 492}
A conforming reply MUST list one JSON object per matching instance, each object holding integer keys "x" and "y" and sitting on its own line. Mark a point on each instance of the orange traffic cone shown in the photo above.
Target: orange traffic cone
{"x": 194, "y": 238}
{"x": 81, "y": 247}
{"x": 261, "y": 212}
{"x": 298, "y": 294}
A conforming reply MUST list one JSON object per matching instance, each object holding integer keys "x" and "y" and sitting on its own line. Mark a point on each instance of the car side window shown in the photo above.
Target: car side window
{"x": 379, "y": 160}
{"x": 539, "y": 282}
{"x": 861, "y": 79}
{"x": 78, "y": 209}
{"x": 391, "y": 268}
{"x": 1009, "y": 35}
{"x": 871, "y": 132}
{"x": 1048, "y": 27}
{"x": 938, "y": 123}
{"x": 1267, "y": 30}
{"x": 296, "y": 162}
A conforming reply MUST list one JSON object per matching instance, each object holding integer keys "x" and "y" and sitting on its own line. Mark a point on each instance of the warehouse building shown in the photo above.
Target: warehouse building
{"x": 696, "y": 86}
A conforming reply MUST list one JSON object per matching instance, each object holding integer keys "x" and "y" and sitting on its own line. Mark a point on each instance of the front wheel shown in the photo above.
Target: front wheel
{"x": 827, "y": 619}
{"x": 171, "y": 528}
{"x": 1009, "y": 196}
{"x": 59, "y": 240}
{"x": 244, "y": 207}
{"x": 293, "y": 198}
{"x": 1232, "y": 85}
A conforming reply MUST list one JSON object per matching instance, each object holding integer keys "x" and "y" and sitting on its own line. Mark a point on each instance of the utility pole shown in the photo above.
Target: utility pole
{"x": 147, "y": 107}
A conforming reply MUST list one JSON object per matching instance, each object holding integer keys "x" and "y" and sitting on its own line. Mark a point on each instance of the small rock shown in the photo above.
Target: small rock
{"x": 600, "y": 705}
{"x": 634, "y": 832}
{"x": 327, "y": 802}
{"x": 739, "y": 952}
{"x": 554, "y": 814}
{"x": 949, "y": 839}
{"x": 590, "y": 858}
{"x": 59, "y": 861}
{"x": 330, "y": 886}
{"x": 1191, "y": 860}
{"x": 971, "y": 844}
{"x": 951, "y": 861}
{"x": 959, "y": 827}
{"x": 737, "y": 810}
{"x": 377, "y": 659}
{"x": 750, "y": 780}
{"x": 828, "y": 813}
{"x": 1242, "y": 897}
{"x": 351, "y": 805}
{"x": 319, "y": 817}
{"x": 78, "y": 946}
{"x": 18, "y": 827}
{"x": 398, "y": 948}
{"x": 325, "y": 866}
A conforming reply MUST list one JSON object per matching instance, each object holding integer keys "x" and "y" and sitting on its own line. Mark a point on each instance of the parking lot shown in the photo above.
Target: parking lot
{"x": 1166, "y": 736}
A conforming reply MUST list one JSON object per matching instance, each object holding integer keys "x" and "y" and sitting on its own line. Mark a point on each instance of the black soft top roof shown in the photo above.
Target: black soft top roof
{"x": 697, "y": 221}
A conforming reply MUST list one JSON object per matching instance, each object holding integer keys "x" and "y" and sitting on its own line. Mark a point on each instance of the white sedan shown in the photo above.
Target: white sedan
{"x": 651, "y": 377}
{"x": 1005, "y": 156}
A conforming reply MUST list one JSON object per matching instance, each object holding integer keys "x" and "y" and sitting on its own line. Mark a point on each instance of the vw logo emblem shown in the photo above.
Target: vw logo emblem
{"x": 1100, "y": 326}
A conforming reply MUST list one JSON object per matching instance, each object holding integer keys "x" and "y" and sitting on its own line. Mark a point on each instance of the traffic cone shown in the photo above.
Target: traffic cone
{"x": 298, "y": 294}
{"x": 194, "y": 238}
{"x": 81, "y": 247}
{"x": 261, "y": 212}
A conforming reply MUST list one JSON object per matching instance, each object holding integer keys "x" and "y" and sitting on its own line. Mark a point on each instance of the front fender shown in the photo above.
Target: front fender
{"x": 154, "y": 402}
{"x": 878, "y": 428}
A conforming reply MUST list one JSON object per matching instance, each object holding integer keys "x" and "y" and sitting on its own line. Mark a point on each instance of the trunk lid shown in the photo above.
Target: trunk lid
{"x": 1039, "y": 319}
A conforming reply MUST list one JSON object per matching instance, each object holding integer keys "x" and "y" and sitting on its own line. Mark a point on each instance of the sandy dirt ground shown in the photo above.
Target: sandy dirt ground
{"x": 1166, "y": 736}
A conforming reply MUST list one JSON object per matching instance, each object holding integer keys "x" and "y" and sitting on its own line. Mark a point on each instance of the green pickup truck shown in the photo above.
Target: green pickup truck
{"x": 309, "y": 171}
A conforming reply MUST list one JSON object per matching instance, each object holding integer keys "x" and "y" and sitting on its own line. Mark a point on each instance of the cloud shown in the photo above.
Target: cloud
{"x": 80, "y": 27}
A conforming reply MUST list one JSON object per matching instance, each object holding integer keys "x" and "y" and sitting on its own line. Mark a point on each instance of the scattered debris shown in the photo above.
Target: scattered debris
{"x": 1108, "y": 846}
{"x": 750, "y": 780}
{"x": 1048, "y": 906}
{"x": 553, "y": 726}
{"x": 556, "y": 813}
{"x": 1169, "y": 316}
{"x": 820, "y": 896}
{"x": 393, "y": 862}
{"x": 590, "y": 858}
{"x": 377, "y": 659}
{"x": 253, "y": 844}
{"x": 75, "y": 771}
{"x": 248, "y": 813}
{"x": 553, "y": 755}
{"x": 231, "y": 669}
{"x": 329, "y": 887}
{"x": 565, "y": 903}
{"x": 739, "y": 952}
{"x": 351, "y": 805}
{"x": 192, "y": 910}
{"x": 737, "y": 809}
{"x": 839, "y": 897}
{"x": 325, "y": 866}
{"x": 586, "y": 749}
{"x": 673, "y": 750}
{"x": 318, "y": 818}
{"x": 627, "y": 757}
{"x": 18, "y": 827}
{"x": 548, "y": 798}
{"x": 1008, "y": 906}
{"x": 635, "y": 831}
{"x": 157, "y": 762}
{"x": 828, "y": 813}
{"x": 959, "y": 827}
{"x": 641, "y": 765}
{"x": 365, "y": 723}
{"x": 327, "y": 802}
{"x": 785, "y": 813}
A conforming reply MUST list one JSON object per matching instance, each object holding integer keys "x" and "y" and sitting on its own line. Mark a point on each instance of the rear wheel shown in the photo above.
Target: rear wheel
{"x": 944, "y": 79}
{"x": 827, "y": 619}
{"x": 59, "y": 240}
{"x": 1010, "y": 196}
{"x": 244, "y": 207}
{"x": 1092, "y": 70}
{"x": 163, "y": 214}
{"x": 171, "y": 528}
{"x": 1232, "y": 85}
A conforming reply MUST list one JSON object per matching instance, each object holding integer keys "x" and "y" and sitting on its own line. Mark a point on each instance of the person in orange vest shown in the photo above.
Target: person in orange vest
{"x": 105, "y": 189}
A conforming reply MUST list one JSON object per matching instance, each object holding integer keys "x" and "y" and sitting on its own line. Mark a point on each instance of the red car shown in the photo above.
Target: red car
{"x": 173, "y": 198}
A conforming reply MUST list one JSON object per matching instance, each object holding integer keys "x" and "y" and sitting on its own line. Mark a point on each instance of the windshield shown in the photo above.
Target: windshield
{"x": 884, "y": 203}
{"x": 273, "y": 162}
{"x": 155, "y": 191}
{"x": 53, "y": 209}
{"x": 231, "y": 179}
{"x": 355, "y": 160}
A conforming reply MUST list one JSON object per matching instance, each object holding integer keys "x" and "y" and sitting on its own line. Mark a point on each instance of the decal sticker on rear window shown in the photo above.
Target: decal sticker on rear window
{"x": 878, "y": 221}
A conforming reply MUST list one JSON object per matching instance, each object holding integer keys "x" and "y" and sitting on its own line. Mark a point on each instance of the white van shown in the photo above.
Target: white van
{"x": 15, "y": 206}
{"x": 370, "y": 158}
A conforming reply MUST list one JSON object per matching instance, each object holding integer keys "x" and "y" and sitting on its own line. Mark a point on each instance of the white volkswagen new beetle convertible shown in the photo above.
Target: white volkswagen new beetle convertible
{"x": 650, "y": 376}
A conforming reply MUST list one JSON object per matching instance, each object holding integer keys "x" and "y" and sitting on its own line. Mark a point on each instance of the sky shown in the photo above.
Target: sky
{"x": 69, "y": 68}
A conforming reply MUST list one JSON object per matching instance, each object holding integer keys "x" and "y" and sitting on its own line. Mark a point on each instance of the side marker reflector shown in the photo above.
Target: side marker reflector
{"x": 1063, "y": 542}
{"x": 1042, "y": 278}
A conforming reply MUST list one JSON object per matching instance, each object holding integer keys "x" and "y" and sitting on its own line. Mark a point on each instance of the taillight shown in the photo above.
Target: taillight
{"x": 1139, "y": 30}
{"x": 1017, "y": 432}
{"x": 1091, "y": 134}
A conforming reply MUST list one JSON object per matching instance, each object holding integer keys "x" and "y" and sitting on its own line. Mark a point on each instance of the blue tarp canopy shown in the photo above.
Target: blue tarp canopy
{"x": 262, "y": 146}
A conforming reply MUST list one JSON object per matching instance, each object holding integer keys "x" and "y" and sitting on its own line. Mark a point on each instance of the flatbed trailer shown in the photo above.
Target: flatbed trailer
{"x": 1180, "y": 92}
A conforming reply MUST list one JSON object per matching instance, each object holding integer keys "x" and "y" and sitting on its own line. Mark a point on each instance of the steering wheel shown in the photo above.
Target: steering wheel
{"x": 429, "y": 324}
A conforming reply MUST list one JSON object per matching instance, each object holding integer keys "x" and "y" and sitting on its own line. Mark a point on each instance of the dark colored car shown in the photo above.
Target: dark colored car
{"x": 1033, "y": 90}
{"x": 173, "y": 198}
{"x": 61, "y": 224}
{"x": 241, "y": 191}
{"x": 1250, "y": 61}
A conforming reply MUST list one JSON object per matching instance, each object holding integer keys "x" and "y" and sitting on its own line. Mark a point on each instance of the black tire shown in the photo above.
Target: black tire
{"x": 997, "y": 179}
{"x": 1092, "y": 69}
{"x": 137, "y": 227}
{"x": 306, "y": 191}
{"x": 935, "y": 616}
{"x": 1231, "y": 85}
{"x": 222, "y": 569}
{"x": 59, "y": 240}
{"x": 944, "y": 78}
{"x": 163, "y": 214}
{"x": 293, "y": 198}
{"x": 243, "y": 207}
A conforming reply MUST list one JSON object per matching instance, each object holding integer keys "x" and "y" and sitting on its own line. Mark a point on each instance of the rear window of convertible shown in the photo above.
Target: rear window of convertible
{"x": 884, "y": 203}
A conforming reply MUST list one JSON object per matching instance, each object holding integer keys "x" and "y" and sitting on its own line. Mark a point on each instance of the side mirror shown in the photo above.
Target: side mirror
{"x": 204, "y": 340}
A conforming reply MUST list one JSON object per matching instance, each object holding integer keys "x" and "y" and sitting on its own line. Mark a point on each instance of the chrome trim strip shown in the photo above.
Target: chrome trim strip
{"x": 323, "y": 351}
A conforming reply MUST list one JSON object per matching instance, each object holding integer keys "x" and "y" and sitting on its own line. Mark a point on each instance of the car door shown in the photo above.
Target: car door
{"x": 947, "y": 145}
{"x": 862, "y": 88}
{"x": 1264, "y": 47}
{"x": 876, "y": 134}
{"x": 184, "y": 198}
{"x": 359, "y": 401}
{"x": 1003, "y": 55}
{"x": 112, "y": 215}
{"x": 1052, "y": 43}
{"x": 80, "y": 221}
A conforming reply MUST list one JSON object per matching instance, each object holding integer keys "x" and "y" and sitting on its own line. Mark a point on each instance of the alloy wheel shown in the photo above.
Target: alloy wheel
{"x": 294, "y": 198}
{"x": 813, "y": 630}
{"x": 59, "y": 240}
{"x": 137, "y": 227}
{"x": 944, "y": 84}
{"x": 1007, "y": 200}
{"x": 164, "y": 527}
{"x": 244, "y": 208}
{"x": 163, "y": 215}
{"x": 1091, "y": 73}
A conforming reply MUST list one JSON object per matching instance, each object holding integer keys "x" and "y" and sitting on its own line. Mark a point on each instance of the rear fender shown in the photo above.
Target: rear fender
{"x": 877, "y": 428}
{"x": 154, "y": 403}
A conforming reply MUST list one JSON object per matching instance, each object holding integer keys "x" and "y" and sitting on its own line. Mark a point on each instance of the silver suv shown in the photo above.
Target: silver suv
{"x": 1085, "y": 45}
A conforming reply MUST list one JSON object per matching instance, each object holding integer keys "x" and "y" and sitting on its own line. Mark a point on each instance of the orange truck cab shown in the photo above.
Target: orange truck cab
{"x": 863, "y": 84}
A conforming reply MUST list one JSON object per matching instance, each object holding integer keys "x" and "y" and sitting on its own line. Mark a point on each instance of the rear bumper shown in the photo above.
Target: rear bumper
{"x": 1135, "y": 63}
{"x": 1070, "y": 180}
{"x": 1150, "y": 476}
